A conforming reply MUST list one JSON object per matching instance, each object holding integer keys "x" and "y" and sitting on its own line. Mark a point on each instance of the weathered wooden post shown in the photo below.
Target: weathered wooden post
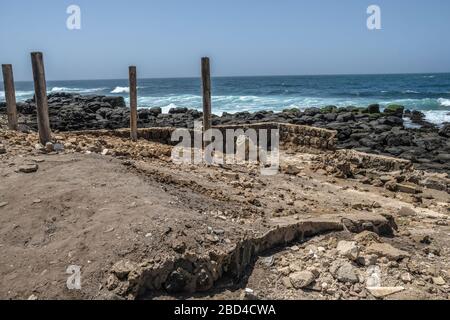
{"x": 10, "y": 96}
{"x": 40, "y": 89}
{"x": 206, "y": 86}
{"x": 133, "y": 103}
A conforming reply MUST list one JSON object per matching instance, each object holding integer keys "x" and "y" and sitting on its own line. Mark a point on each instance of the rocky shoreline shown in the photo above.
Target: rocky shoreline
{"x": 364, "y": 129}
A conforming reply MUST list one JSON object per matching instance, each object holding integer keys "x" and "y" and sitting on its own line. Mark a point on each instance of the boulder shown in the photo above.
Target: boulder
{"x": 155, "y": 111}
{"x": 301, "y": 279}
{"x": 347, "y": 273}
{"x": 394, "y": 109}
{"x": 417, "y": 116}
{"x": 373, "y": 108}
{"x": 407, "y": 188}
{"x": 178, "y": 110}
{"x": 386, "y": 250}
{"x": 445, "y": 130}
{"x": 348, "y": 249}
{"x": 406, "y": 212}
{"x": 115, "y": 102}
{"x": 28, "y": 168}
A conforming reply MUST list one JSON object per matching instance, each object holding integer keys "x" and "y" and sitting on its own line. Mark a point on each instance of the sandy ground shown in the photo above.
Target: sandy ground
{"x": 116, "y": 213}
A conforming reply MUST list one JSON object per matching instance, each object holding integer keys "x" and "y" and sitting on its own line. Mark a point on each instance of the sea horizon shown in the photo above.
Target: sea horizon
{"x": 249, "y": 76}
{"x": 426, "y": 92}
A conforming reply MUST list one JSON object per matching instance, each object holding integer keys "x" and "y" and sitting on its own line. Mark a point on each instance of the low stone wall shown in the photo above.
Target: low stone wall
{"x": 161, "y": 135}
{"x": 378, "y": 162}
{"x": 292, "y": 137}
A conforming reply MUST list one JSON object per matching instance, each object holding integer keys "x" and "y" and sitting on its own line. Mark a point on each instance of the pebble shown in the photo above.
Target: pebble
{"x": 406, "y": 212}
{"x": 28, "y": 168}
{"x": 248, "y": 294}
{"x": 301, "y": 279}
{"x": 49, "y": 147}
{"x": 268, "y": 261}
{"x": 406, "y": 277}
{"x": 58, "y": 147}
{"x": 348, "y": 249}
{"x": 3, "y": 204}
{"x": 381, "y": 292}
{"x": 439, "y": 281}
{"x": 287, "y": 282}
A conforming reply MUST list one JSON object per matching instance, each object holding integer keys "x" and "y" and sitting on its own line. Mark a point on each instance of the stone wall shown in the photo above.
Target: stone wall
{"x": 292, "y": 137}
{"x": 381, "y": 163}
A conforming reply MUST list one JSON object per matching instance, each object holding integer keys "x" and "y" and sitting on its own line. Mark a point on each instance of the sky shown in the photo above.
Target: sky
{"x": 167, "y": 38}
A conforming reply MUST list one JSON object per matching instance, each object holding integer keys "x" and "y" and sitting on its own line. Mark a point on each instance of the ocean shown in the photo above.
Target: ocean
{"x": 429, "y": 93}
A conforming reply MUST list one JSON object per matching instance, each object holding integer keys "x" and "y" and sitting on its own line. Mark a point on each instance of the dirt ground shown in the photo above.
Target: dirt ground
{"x": 140, "y": 226}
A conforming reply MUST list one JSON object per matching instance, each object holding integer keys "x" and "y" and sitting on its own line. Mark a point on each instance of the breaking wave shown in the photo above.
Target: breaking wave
{"x": 76, "y": 90}
{"x": 444, "y": 102}
{"x": 20, "y": 95}
{"x": 121, "y": 90}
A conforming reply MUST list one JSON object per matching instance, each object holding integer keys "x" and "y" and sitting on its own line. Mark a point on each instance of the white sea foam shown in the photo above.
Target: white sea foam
{"x": 121, "y": 90}
{"x": 20, "y": 95}
{"x": 76, "y": 90}
{"x": 411, "y": 91}
{"x": 444, "y": 102}
{"x": 124, "y": 89}
{"x": 437, "y": 116}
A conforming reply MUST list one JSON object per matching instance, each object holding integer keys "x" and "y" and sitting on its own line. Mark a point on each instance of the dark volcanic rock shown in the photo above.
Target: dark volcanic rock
{"x": 178, "y": 110}
{"x": 364, "y": 129}
{"x": 373, "y": 108}
{"x": 394, "y": 109}
{"x": 445, "y": 130}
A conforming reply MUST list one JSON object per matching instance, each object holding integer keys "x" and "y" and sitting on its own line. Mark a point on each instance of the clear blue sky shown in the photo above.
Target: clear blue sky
{"x": 166, "y": 38}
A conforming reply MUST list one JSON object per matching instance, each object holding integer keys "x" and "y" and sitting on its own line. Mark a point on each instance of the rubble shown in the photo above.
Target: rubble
{"x": 186, "y": 229}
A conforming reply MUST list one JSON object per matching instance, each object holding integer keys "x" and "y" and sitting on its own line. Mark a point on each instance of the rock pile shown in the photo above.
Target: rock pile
{"x": 364, "y": 129}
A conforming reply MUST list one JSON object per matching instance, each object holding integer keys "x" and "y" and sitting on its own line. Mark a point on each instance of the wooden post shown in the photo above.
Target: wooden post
{"x": 206, "y": 86}
{"x": 40, "y": 90}
{"x": 10, "y": 96}
{"x": 133, "y": 103}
